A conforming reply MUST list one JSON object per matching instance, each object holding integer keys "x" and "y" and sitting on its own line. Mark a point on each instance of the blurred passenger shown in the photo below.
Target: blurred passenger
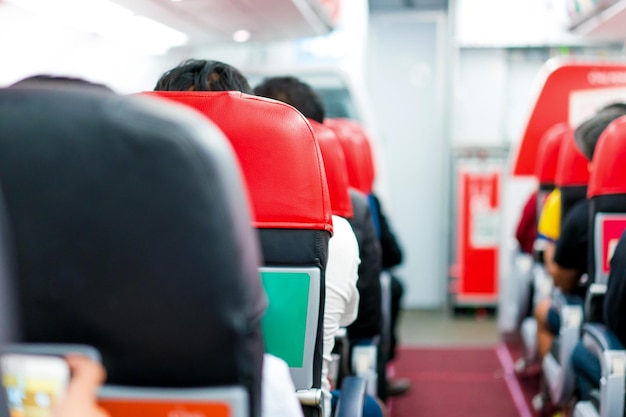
{"x": 342, "y": 297}
{"x": 526, "y": 232}
{"x": 586, "y": 365}
{"x": 565, "y": 253}
{"x": 203, "y": 75}
{"x": 300, "y": 95}
{"x": 47, "y": 81}
{"x": 368, "y": 324}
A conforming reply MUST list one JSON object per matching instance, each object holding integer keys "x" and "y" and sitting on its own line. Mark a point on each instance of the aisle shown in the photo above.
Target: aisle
{"x": 457, "y": 381}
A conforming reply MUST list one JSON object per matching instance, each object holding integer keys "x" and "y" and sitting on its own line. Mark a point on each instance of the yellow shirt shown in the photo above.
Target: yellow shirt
{"x": 550, "y": 220}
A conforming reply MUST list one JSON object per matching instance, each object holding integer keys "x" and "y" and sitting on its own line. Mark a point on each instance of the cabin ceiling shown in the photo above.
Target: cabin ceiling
{"x": 217, "y": 20}
{"x": 418, "y": 5}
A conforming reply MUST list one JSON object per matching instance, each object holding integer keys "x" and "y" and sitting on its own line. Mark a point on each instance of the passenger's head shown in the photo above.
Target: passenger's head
{"x": 588, "y": 133}
{"x": 47, "y": 81}
{"x": 292, "y": 91}
{"x": 203, "y": 75}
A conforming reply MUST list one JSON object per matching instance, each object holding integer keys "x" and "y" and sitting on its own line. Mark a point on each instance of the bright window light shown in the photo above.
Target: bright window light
{"x": 109, "y": 20}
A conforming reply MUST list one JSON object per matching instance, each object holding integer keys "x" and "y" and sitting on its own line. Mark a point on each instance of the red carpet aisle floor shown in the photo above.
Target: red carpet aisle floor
{"x": 472, "y": 382}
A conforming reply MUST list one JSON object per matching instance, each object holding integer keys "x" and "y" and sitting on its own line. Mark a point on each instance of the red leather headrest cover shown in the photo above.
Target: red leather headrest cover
{"x": 358, "y": 152}
{"x": 336, "y": 171}
{"x": 548, "y": 153}
{"x": 278, "y": 154}
{"x": 572, "y": 167}
{"x": 608, "y": 174}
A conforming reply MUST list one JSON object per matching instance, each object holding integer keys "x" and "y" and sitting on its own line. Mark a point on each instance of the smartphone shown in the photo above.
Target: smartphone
{"x": 33, "y": 384}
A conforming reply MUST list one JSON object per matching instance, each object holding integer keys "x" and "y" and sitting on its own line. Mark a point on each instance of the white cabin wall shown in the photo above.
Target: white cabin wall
{"x": 406, "y": 80}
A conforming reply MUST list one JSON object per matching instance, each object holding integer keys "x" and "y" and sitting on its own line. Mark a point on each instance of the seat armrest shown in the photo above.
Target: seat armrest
{"x": 557, "y": 367}
{"x": 610, "y": 352}
{"x": 598, "y": 337}
{"x": 352, "y": 398}
{"x": 310, "y": 397}
{"x": 594, "y": 302}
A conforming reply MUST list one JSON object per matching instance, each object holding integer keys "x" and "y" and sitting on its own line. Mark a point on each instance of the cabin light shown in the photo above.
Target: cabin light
{"x": 241, "y": 35}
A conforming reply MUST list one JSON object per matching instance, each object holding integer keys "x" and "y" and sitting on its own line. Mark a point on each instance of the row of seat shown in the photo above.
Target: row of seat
{"x": 129, "y": 222}
{"x": 560, "y": 164}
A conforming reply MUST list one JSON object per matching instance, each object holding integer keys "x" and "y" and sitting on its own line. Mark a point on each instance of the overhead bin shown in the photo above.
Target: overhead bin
{"x": 240, "y": 20}
{"x": 599, "y": 19}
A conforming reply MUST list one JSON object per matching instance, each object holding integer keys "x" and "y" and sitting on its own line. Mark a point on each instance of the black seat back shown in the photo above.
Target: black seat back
{"x": 132, "y": 235}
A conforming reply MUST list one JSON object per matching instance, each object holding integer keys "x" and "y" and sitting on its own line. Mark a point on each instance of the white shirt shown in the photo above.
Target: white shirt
{"x": 342, "y": 296}
{"x": 278, "y": 394}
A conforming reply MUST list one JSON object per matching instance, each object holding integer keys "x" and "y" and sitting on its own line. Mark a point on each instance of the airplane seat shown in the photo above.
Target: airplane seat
{"x": 9, "y": 325}
{"x": 541, "y": 284}
{"x": 368, "y": 352}
{"x": 131, "y": 232}
{"x": 607, "y": 195}
{"x": 572, "y": 176}
{"x": 357, "y": 150}
{"x": 284, "y": 171}
{"x": 548, "y": 159}
{"x": 335, "y": 169}
{"x": 341, "y": 205}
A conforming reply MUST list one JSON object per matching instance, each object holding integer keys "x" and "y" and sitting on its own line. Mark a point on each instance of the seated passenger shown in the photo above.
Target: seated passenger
{"x": 344, "y": 310}
{"x": 526, "y": 232}
{"x": 278, "y": 392}
{"x": 342, "y": 297}
{"x": 586, "y": 365}
{"x": 565, "y": 253}
{"x": 203, "y": 75}
{"x": 46, "y": 81}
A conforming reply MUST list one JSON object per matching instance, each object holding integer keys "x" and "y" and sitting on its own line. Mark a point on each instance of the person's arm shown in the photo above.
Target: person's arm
{"x": 369, "y": 318}
{"x": 81, "y": 397}
{"x": 391, "y": 250}
{"x": 570, "y": 253}
{"x": 279, "y": 393}
{"x": 341, "y": 302}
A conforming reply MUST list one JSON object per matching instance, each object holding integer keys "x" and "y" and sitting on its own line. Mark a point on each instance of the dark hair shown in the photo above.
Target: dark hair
{"x": 294, "y": 92}
{"x": 587, "y": 134}
{"x": 44, "y": 80}
{"x": 203, "y": 75}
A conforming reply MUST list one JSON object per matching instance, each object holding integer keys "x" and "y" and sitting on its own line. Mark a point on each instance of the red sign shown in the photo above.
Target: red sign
{"x": 611, "y": 226}
{"x": 478, "y": 236}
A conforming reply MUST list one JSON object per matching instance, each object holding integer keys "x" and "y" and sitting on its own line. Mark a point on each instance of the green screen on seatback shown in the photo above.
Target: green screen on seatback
{"x": 284, "y": 322}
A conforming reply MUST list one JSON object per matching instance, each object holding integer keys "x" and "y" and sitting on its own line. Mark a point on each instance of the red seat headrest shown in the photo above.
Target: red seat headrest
{"x": 608, "y": 174}
{"x": 548, "y": 153}
{"x": 357, "y": 149}
{"x": 278, "y": 154}
{"x": 572, "y": 166}
{"x": 336, "y": 170}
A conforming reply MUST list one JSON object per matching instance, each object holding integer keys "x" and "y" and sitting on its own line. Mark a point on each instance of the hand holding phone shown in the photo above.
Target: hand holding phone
{"x": 40, "y": 385}
{"x": 34, "y": 384}
{"x": 81, "y": 397}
